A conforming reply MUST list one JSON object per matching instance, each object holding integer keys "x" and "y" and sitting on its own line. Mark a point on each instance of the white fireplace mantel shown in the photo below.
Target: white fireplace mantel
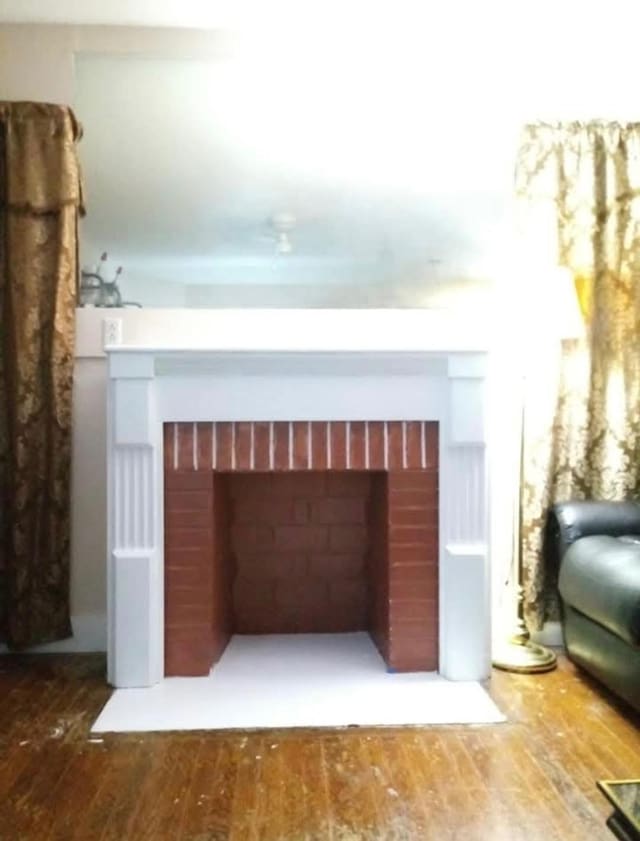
{"x": 151, "y": 386}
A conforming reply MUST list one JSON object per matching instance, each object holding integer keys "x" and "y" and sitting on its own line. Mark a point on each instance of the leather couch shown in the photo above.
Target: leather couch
{"x": 598, "y": 550}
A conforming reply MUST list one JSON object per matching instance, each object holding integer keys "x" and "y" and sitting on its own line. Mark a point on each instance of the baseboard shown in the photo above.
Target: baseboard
{"x": 551, "y": 634}
{"x": 89, "y": 634}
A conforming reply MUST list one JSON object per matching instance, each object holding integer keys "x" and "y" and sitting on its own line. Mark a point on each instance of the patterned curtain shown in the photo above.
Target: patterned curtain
{"x": 40, "y": 200}
{"x": 578, "y": 186}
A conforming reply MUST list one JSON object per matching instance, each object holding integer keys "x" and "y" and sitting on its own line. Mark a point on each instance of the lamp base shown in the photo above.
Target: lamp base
{"x": 523, "y": 656}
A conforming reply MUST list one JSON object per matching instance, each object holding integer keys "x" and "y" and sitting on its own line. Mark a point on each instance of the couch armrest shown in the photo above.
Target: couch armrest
{"x": 569, "y": 521}
{"x": 600, "y": 577}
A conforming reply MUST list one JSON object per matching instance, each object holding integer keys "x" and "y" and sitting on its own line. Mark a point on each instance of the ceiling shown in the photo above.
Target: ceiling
{"x": 192, "y": 13}
{"x": 257, "y": 13}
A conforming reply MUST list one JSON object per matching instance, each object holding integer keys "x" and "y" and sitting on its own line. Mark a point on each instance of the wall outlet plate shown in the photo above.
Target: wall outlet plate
{"x": 111, "y": 331}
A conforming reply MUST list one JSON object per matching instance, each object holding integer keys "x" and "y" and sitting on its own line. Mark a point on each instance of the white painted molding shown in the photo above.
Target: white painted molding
{"x": 135, "y": 580}
{"x": 136, "y": 598}
{"x": 464, "y": 626}
{"x": 130, "y": 365}
{"x": 465, "y": 581}
{"x": 465, "y": 576}
{"x": 149, "y": 387}
{"x": 466, "y": 365}
{"x": 134, "y": 412}
{"x": 467, "y": 398}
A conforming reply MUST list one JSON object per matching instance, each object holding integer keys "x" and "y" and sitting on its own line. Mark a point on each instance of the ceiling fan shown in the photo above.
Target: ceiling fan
{"x": 280, "y": 226}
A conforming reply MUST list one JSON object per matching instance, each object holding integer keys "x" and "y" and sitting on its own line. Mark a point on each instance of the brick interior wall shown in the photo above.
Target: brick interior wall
{"x": 198, "y": 603}
{"x": 300, "y": 543}
{"x": 379, "y": 565}
{"x": 412, "y": 546}
{"x": 222, "y": 579}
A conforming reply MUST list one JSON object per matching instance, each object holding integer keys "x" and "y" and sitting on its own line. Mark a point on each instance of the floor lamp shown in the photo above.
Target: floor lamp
{"x": 519, "y": 653}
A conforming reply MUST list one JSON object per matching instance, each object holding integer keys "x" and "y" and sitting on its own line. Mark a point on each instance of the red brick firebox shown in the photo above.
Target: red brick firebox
{"x": 301, "y": 527}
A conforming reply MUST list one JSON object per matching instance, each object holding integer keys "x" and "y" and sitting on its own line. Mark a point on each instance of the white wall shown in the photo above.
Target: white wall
{"x": 89, "y": 501}
{"x": 37, "y": 63}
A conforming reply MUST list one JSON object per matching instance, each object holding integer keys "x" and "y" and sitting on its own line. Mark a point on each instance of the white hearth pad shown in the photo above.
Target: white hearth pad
{"x": 298, "y": 680}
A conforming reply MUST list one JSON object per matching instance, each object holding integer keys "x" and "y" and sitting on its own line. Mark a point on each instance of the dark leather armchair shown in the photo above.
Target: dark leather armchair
{"x": 598, "y": 548}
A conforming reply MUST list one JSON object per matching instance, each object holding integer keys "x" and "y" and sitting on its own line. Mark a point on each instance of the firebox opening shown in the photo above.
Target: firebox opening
{"x": 301, "y": 551}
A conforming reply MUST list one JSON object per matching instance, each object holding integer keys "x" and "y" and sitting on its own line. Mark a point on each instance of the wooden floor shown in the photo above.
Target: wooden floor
{"x": 533, "y": 778}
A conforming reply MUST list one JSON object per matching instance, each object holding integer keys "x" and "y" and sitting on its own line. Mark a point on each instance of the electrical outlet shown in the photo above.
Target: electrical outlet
{"x": 111, "y": 331}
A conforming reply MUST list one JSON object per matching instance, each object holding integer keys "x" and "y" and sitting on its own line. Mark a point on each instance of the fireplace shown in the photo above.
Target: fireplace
{"x": 301, "y": 527}
{"x": 170, "y": 412}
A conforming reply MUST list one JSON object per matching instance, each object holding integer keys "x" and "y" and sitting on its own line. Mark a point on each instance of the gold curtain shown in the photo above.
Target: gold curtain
{"x": 40, "y": 201}
{"x": 578, "y": 186}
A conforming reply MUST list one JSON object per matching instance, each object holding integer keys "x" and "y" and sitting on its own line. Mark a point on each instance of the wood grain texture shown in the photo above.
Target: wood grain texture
{"x": 532, "y": 779}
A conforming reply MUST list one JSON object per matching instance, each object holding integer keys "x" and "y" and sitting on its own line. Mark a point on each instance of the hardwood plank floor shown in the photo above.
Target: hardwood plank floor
{"x": 531, "y": 779}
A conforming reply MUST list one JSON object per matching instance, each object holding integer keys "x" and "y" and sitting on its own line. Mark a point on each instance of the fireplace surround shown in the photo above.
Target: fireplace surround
{"x": 155, "y": 393}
